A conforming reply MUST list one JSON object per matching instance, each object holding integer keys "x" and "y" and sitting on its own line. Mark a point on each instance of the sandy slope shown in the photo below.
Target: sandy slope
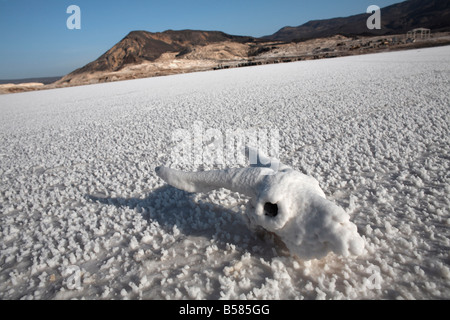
{"x": 84, "y": 215}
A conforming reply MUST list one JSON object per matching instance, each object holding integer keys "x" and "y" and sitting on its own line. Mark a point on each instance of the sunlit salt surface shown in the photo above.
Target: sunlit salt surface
{"x": 83, "y": 214}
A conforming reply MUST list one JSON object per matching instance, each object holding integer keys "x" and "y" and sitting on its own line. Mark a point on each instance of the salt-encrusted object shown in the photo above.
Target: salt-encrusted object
{"x": 283, "y": 201}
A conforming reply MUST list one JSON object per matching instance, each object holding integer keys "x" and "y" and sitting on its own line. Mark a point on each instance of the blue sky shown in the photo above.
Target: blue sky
{"x": 35, "y": 42}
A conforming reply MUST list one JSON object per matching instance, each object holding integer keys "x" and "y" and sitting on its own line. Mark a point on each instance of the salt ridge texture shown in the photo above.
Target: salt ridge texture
{"x": 83, "y": 215}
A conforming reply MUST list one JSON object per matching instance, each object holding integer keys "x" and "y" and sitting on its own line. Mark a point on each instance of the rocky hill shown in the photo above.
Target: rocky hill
{"x": 154, "y": 49}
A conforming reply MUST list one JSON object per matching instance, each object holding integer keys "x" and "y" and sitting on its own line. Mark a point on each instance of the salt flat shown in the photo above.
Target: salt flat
{"x": 83, "y": 214}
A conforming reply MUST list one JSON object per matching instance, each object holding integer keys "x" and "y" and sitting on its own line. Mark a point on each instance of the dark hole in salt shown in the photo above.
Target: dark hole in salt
{"x": 271, "y": 209}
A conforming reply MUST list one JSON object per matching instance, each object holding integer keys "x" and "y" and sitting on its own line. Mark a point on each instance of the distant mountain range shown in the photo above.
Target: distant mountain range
{"x": 395, "y": 19}
{"x": 143, "y": 54}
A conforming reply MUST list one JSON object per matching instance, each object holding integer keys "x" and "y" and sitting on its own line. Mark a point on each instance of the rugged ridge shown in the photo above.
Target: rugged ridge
{"x": 141, "y": 46}
{"x": 144, "y": 54}
{"x": 397, "y": 18}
